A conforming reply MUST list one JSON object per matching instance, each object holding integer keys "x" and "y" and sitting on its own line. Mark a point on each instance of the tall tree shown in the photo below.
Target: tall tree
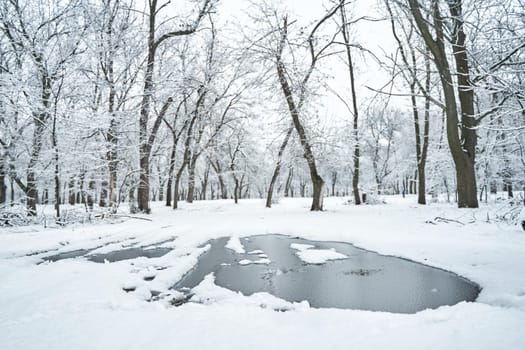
{"x": 295, "y": 102}
{"x": 410, "y": 74}
{"x": 462, "y": 142}
{"x": 355, "y": 109}
{"x": 146, "y": 140}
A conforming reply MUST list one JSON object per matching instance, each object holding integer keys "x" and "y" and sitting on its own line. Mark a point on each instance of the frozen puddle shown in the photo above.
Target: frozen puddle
{"x": 327, "y": 274}
{"x": 148, "y": 251}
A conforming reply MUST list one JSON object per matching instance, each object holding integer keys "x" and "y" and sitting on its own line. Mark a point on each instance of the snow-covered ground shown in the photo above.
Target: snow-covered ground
{"x": 77, "y": 304}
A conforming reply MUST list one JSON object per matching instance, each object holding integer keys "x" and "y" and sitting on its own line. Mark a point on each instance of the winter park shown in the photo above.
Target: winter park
{"x": 262, "y": 174}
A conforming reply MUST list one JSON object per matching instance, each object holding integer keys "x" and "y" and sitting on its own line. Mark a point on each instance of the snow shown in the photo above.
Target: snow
{"x": 521, "y": 216}
{"x": 78, "y": 304}
{"x": 319, "y": 256}
{"x": 300, "y": 246}
{"x": 235, "y": 244}
{"x": 316, "y": 256}
{"x": 260, "y": 261}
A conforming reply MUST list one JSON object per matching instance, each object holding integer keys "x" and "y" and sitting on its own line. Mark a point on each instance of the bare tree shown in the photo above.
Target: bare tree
{"x": 410, "y": 74}
{"x": 295, "y": 102}
{"x": 462, "y": 145}
{"x": 355, "y": 109}
{"x": 146, "y": 140}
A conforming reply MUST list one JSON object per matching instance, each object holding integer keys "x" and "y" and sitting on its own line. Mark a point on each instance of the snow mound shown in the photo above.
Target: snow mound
{"x": 301, "y": 247}
{"x": 207, "y": 292}
{"x": 319, "y": 256}
{"x": 315, "y": 256}
{"x": 235, "y": 244}
{"x": 260, "y": 261}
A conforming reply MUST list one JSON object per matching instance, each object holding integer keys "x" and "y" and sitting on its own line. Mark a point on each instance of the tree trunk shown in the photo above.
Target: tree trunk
{"x": 204, "y": 182}
{"x": 277, "y": 169}
{"x": 317, "y": 181}
{"x": 171, "y": 169}
{"x": 355, "y": 126}
{"x": 12, "y": 185}
{"x": 462, "y": 149}
{"x": 468, "y": 189}
{"x": 3, "y": 187}
{"x": 334, "y": 181}
{"x": 71, "y": 191}
{"x": 191, "y": 180}
{"x": 222, "y": 184}
{"x": 176, "y": 186}
{"x": 288, "y": 191}
{"x": 145, "y": 141}
{"x": 236, "y": 189}
{"x": 91, "y": 191}
{"x": 112, "y": 161}
{"x": 31, "y": 181}
{"x": 132, "y": 202}
{"x": 103, "y": 201}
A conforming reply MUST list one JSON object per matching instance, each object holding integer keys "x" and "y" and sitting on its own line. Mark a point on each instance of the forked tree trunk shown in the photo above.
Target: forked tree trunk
{"x": 178, "y": 176}
{"x": 145, "y": 141}
{"x": 222, "y": 184}
{"x": 462, "y": 148}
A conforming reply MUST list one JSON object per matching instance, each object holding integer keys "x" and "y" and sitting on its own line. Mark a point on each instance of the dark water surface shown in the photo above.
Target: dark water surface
{"x": 129, "y": 252}
{"x": 365, "y": 280}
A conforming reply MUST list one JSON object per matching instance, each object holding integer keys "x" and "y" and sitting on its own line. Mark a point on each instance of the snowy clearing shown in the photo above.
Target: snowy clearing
{"x": 78, "y": 304}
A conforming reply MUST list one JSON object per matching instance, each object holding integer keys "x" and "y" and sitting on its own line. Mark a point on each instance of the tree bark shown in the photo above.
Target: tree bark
{"x": 145, "y": 143}
{"x": 3, "y": 187}
{"x": 355, "y": 126}
{"x": 191, "y": 180}
{"x": 462, "y": 149}
{"x": 277, "y": 167}
{"x": 222, "y": 184}
{"x": 317, "y": 181}
{"x": 288, "y": 191}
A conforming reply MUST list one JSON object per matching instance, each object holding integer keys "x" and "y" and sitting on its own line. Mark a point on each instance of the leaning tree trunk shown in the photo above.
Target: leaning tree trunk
{"x": 144, "y": 140}
{"x": 178, "y": 176}
{"x": 317, "y": 181}
{"x": 277, "y": 167}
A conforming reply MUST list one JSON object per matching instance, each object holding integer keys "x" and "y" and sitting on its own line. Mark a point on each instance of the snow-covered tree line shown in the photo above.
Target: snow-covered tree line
{"x": 112, "y": 101}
